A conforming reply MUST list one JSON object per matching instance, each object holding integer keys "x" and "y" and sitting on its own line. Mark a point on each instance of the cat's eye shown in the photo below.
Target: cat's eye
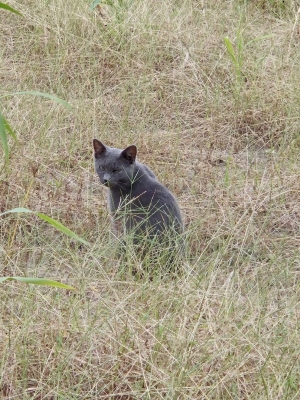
{"x": 101, "y": 168}
{"x": 115, "y": 170}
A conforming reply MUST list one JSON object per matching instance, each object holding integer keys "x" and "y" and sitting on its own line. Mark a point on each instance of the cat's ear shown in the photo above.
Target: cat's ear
{"x": 99, "y": 148}
{"x": 129, "y": 153}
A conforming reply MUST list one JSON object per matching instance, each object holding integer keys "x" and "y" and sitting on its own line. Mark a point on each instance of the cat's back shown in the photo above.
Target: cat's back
{"x": 152, "y": 195}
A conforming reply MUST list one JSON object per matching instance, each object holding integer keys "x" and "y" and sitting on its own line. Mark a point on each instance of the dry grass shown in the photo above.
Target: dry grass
{"x": 224, "y": 140}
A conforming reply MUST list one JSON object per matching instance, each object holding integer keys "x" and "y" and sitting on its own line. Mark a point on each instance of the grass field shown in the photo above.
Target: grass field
{"x": 218, "y": 121}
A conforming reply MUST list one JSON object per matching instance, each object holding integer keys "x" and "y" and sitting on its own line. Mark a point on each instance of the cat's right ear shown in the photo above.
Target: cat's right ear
{"x": 99, "y": 148}
{"x": 129, "y": 153}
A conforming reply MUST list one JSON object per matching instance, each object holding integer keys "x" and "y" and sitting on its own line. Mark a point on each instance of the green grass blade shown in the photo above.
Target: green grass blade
{"x": 61, "y": 227}
{"x": 17, "y": 210}
{"x": 8, "y": 128}
{"x": 259, "y": 38}
{"x": 51, "y": 221}
{"x": 8, "y": 8}
{"x": 41, "y": 94}
{"x": 37, "y": 281}
{"x": 230, "y": 49}
{"x": 3, "y": 137}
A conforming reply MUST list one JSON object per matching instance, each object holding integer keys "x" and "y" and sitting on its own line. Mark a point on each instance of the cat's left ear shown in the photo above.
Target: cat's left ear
{"x": 129, "y": 153}
{"x": 99, "y": 148}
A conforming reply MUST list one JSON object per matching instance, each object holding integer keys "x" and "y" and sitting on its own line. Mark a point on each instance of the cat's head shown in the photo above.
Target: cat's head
{"x": 114, "y": 167}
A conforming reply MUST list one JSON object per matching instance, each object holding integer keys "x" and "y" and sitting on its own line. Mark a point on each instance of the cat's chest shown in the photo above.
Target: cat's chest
{"x": 130, "y": 201}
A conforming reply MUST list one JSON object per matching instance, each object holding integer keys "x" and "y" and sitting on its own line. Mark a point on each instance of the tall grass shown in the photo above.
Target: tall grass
{"x": 157, "y": 74}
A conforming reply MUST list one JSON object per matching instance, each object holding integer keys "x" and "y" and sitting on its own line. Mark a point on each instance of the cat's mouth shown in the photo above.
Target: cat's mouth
{"x": 110, "y": 184}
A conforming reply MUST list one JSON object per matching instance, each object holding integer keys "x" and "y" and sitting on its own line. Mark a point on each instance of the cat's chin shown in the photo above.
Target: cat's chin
{"x": 113, "y": 185}
{"x": 106, "y": 184}
{"x": 120, "y": 185}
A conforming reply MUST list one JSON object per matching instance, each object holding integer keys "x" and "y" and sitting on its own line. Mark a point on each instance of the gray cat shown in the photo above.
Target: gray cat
{"x": 140, "y": 205}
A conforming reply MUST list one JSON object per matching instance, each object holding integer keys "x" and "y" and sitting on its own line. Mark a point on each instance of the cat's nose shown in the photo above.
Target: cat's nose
{"x": 106, "y": 179}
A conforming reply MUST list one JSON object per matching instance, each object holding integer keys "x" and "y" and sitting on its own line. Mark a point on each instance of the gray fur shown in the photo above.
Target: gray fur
{"x": 138, "y": 202}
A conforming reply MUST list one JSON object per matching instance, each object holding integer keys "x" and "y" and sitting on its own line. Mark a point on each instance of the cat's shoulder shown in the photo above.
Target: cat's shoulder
{"x": 144, "y": 170}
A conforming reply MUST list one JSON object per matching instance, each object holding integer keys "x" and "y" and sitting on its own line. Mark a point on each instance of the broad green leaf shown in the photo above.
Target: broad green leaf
{"x": 8, "y": 128}
{"x": 230, "y": 49}
{"x": 51, "y": 221}
{"x": 95, "y": 3}
{"x": 6, "y": 7}
{"x": 17, "y": 210}
{"x": 37, "y": 281}
{"x": 3, "y": 137}
{"x": 61, "y": 227}
{"x": 41, "y": 94}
